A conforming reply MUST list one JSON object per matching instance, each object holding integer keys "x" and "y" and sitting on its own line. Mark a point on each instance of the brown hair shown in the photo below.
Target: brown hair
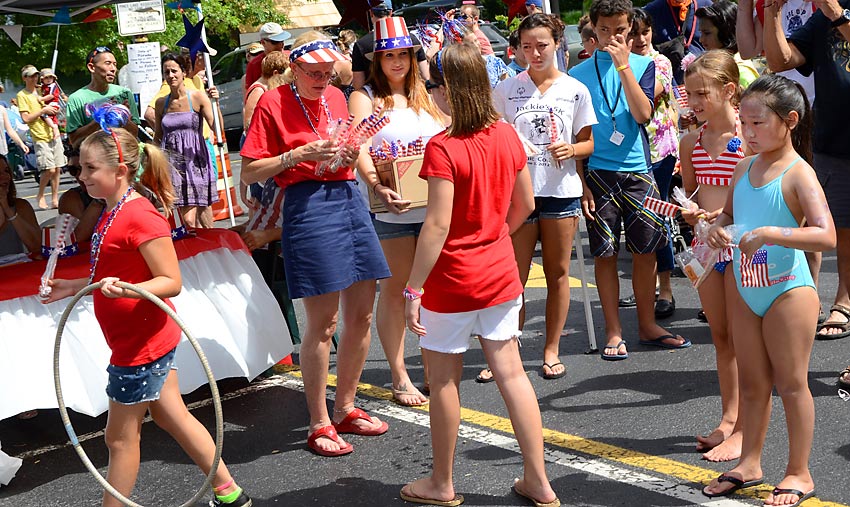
{"x": 12, "y": 194}
{"x": 304, "y": 38}
{"x": 156, "y": 176}
{"x": 548, "y": 21}
{"x": 345, "y": 41}
{"x": 464, "y": 73}
{"x": 274, "y": 61}
{"x": 414, "y": 88}
{"x": 719, "y": 67}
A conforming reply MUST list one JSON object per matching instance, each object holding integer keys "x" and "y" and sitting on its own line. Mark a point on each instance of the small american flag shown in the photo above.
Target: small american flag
{"x": 681, "y": 95}
{"x": 660, "y": 207}
{"x": 754, "y": 271}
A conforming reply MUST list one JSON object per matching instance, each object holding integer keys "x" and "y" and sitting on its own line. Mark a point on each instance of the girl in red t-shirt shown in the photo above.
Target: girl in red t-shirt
{"x": 479, "y": 191}
{"x": 132, "y": 242}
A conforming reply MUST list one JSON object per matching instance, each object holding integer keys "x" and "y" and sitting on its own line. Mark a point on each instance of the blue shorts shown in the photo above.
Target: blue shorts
{"x": 554, "y": 208}
{"x": 386, "y": 230}
{"x": 129, "y": 385}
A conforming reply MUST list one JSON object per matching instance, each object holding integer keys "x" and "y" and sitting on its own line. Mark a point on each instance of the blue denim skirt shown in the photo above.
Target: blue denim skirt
{"x": 129, "y": 385}
{"x": 328, "y": 242}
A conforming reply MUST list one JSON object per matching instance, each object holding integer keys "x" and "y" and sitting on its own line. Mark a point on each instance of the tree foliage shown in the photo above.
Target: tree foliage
{"x": 223, "y": 18}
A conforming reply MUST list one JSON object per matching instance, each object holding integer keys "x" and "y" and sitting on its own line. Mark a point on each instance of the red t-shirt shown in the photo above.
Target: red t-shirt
{"x": 279, "y": 125}
{"x": 476, "y": 268}
{"x": 254, "y": 70}
{"x": 136, "y": 330}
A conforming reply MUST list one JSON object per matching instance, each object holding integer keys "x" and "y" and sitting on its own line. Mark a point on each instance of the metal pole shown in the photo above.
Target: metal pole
{"x": 588, "y": 314}
{"x": 55, "y": 50}
{"x": 219, "y": 138}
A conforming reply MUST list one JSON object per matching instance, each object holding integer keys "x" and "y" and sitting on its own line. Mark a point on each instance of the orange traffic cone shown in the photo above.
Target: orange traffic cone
{"x": 219, "y": 208}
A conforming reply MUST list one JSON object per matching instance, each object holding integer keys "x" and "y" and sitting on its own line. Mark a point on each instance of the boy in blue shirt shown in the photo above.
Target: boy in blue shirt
{"x": 617, "y": 175}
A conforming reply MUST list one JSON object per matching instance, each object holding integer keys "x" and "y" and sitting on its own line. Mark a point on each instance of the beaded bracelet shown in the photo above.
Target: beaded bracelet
{"x": 411, "y": 294}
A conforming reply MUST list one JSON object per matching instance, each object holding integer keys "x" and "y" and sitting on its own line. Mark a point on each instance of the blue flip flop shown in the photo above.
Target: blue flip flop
{"x": 615, "y": 356}
{"x": 659, "y": 342}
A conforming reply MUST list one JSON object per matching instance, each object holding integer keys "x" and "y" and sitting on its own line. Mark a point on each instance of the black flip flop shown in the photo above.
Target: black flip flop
{"x": 485, "y": 380}
{"x": 553, "y": 376}
{"x": 843, "y": 326}
{"x": 736, "y": 485}
{"x": 844, "y": 384}
{"x": 802, "y": 496}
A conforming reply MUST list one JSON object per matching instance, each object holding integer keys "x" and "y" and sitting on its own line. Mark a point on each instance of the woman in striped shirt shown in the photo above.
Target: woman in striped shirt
{"x": 708, "y": 159}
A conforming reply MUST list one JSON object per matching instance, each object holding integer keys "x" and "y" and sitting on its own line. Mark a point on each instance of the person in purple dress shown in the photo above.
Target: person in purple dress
{"x": 180, "y": 132}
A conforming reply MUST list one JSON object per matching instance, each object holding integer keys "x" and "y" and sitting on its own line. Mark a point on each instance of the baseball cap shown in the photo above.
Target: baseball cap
{"x": 46, "y": 72}
{"x": 254, "y": 48}
{"x": 536, "y": 3}
{"x": 28, "y": 70}
{"x": 381, "y": 5}
{"x": 274, "y": 32}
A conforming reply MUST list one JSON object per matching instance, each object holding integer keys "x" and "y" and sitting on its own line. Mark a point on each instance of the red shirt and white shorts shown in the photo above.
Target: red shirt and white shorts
{"x": 474, "y": 288}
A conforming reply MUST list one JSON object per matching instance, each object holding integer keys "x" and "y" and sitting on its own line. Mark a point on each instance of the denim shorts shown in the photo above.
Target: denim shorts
{"x": 554, "y": 208}
{"x": 129, "y": 385}
{"x": 386, "y": 230}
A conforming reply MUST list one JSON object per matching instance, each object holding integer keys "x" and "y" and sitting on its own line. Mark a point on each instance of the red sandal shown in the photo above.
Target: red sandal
{"x": 330, "y": 433}
{"x": 347, "y": 425}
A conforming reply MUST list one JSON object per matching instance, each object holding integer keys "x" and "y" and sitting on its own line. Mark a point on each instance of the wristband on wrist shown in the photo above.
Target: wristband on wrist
{"x": 623, "y": 67}
{"x": 12, "y": 218}
{"x": 411, "y": 294}
{"x": 375, "y": 185}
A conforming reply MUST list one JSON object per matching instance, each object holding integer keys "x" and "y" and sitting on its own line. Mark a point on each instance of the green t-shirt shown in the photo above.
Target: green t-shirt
{"x": 78, "y": 116}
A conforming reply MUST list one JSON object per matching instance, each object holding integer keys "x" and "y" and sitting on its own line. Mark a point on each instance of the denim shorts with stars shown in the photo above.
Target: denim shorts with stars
{"x": 129, "y": 385}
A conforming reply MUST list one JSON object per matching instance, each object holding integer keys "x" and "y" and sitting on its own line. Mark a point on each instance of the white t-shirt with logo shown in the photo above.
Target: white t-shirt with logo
{"x": 521, "y": 104}
{"x": 795, "y": 13}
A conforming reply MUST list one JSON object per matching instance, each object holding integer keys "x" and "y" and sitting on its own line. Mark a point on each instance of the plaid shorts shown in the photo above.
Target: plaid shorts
{"x": 619, "y": 200}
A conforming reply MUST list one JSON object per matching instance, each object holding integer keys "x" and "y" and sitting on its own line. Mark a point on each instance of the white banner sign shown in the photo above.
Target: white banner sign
{"x": 145, "y": 71}
{"x": 136, "y": 18}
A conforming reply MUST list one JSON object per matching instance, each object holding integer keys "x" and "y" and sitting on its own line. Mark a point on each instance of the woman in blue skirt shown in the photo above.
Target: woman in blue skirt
{"x": 331, "y": 253}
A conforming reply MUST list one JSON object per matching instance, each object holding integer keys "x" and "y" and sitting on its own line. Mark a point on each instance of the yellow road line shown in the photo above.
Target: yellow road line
{"x": 537, "y": 280}
{"x": 636, "y": 459}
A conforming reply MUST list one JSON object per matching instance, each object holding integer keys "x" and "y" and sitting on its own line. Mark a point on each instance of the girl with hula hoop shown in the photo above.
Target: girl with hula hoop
{"x": 132, "y": 243}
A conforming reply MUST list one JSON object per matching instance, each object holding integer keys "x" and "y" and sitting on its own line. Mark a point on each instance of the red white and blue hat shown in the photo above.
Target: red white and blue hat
{"x": 390, "y": 34}
{"x": 317, "y": 51}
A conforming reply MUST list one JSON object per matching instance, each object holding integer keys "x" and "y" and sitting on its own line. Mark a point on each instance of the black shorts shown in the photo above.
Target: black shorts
{"x": 619, "y": 199}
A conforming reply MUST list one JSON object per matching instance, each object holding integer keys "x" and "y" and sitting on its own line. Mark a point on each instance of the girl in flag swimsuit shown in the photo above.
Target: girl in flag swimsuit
{"x": 708, "y": 160}
{"x": 773, "y": 193}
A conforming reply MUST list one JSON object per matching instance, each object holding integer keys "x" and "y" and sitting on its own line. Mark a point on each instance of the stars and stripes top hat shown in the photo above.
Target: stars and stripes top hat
{"x": 391, "y": 33}
{"x": 317, "y": 51}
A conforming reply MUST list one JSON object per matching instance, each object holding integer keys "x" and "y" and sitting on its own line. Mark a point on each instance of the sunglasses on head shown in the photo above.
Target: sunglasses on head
{"x": 430, "y": 85}
{"x": 96, "y": 51}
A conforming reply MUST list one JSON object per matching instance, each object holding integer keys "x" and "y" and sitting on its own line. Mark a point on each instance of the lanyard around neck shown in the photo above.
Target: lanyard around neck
{"x": 605, "y": 95}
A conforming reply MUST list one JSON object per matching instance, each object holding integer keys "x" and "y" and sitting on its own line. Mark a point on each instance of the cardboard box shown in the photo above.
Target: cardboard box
{"x": 401, "y": 175}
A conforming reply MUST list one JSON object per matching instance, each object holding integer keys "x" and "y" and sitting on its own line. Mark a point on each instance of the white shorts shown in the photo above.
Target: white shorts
{"x": 49, "y": 154}
{"x": 450, "y": 333}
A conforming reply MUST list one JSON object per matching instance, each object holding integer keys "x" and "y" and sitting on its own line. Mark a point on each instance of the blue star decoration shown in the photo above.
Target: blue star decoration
{"x": 192, "y": 40}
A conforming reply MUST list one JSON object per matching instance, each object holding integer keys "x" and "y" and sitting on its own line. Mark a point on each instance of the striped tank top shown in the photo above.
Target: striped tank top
{"x": 716, "y": 172}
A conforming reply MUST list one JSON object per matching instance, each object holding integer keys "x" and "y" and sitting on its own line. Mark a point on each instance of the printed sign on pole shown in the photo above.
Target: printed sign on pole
{"x": 145, "y": 70}
{"x": 136, "y": 18}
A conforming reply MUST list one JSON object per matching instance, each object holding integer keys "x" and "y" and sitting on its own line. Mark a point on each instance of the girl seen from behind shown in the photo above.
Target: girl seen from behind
{"x": 464, "y": 281}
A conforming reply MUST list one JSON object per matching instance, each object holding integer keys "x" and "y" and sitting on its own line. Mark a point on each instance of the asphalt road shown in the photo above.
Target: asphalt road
{"x": 617, "y": 433}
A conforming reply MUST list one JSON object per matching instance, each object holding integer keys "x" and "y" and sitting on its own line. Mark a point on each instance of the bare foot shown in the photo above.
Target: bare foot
{"x": 710, "y": 441}
{"x": 42, "y": 204}
{"x": 408, "y": 396}
{"x": 728, "y": 450}
{"x": 426, "y": 489}
{"x": 802, "y": 484}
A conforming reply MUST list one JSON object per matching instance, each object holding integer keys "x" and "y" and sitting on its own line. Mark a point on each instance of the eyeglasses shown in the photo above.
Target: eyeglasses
{"x": 96, "y": 51}
{"x": 317, "y": 75}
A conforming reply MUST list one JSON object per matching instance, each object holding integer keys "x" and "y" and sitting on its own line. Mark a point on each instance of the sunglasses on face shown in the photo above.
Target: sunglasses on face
{"x": 96, "y": 51}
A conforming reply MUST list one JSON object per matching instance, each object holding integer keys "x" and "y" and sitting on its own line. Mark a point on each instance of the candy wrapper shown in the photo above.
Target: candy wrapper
{"x": 65, "y": 225}
{"x": 397, "y": 149}
{"x": 698, "y": 260}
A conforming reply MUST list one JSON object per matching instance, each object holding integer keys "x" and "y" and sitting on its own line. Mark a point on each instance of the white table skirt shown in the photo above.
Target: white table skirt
{"x": 225, "y": 304}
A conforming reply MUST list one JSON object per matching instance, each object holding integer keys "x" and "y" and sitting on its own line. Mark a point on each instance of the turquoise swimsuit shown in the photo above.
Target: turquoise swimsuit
{"x": 779, "y": 268}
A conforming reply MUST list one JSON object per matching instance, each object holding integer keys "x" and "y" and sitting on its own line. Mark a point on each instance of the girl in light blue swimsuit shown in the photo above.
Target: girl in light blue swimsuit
{"x": 775, "y": 309}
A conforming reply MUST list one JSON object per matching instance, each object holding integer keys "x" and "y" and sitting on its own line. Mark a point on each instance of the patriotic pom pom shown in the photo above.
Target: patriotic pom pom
{"x": 109, "y": 116}
{"x": 453, "y": 29}
{"x": 733, "y": 144}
